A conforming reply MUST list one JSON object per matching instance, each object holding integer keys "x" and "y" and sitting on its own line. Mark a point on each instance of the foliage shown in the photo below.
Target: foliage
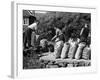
{"x": 63, "y": 20}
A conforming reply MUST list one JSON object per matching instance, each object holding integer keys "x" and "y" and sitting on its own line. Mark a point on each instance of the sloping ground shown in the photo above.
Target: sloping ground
{"x": 47, "y": 60}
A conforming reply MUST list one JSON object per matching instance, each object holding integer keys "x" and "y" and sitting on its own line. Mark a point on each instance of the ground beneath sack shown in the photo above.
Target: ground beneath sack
{"x": 47, "y": 60}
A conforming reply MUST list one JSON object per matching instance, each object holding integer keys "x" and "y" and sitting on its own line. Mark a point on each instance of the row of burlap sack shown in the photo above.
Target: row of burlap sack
{"x": 72, "y": 50}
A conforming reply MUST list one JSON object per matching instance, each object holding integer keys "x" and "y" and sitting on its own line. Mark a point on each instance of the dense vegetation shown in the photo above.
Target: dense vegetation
{"x": 70, "y": 23}
{"x": 63, "y": 20}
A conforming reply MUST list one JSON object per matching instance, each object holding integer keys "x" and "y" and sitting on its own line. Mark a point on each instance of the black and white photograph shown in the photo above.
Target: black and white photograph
{"x": 56, "y": 39}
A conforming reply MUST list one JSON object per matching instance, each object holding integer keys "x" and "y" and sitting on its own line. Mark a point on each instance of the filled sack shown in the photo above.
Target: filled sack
{"x": 72, "y": 50}
{"x": 65, "y": 50}
{"x": 80, "y": 50}
{"x": 86, "y": 53}
{"x": 58, "y": 49}
{"x": 43, "y": 43}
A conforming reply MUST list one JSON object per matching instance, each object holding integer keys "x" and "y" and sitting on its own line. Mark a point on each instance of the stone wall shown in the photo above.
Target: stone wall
{"x": 62, "y": 63}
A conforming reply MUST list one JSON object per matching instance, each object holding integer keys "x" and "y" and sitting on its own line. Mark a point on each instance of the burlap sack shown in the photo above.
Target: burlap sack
{"x": 72, "y": 50}
{"x": 65, "y": 50}
{"x": 43, "y": 43}
{"x": 58, "y": 49}
{"x": 86, "y": 53}
{"x": 79, "y": 50}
